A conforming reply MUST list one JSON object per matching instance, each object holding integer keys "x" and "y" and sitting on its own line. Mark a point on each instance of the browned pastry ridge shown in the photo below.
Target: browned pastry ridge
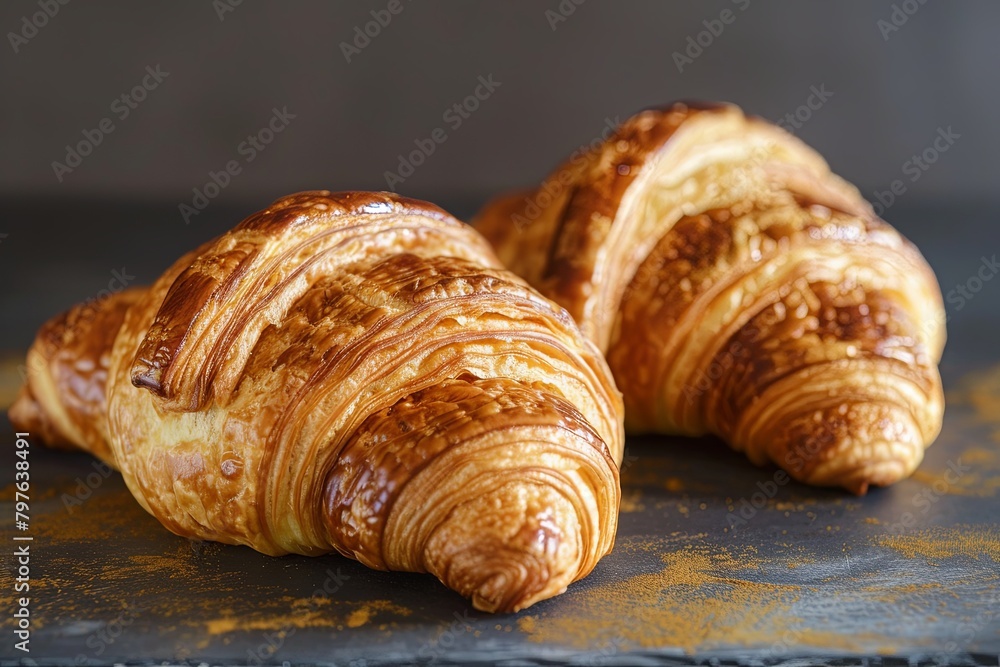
{"x": 739, "y": 288}
{"x": 350, "y": 372}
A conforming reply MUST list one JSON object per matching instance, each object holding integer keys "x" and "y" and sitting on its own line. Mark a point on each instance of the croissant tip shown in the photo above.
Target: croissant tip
{"x": 148, "y": 380}
{"x": 24, "y": 412}
{"x": 493, "y": 596}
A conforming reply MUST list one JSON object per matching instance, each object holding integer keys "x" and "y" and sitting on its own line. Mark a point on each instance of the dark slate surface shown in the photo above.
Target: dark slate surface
{"x": 697, "y": 576}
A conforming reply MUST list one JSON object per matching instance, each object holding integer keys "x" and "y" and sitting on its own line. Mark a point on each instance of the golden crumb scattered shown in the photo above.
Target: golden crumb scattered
{"x": 943, "y": 543}
{"x": 631, "y": 501}
{"x": 359, "y": 617}
{"x": 526, "y": 624}
{"x": 701, "y": 596}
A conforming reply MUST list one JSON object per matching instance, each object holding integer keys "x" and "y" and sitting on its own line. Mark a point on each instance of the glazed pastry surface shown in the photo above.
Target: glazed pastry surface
{"x": 739, "y": 288}
{"x": 350, "y": 372}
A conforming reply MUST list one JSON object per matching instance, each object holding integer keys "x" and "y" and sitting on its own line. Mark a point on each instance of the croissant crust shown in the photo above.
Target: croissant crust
{"x": 739, "y": 288}
{"x": 353, "y": 372}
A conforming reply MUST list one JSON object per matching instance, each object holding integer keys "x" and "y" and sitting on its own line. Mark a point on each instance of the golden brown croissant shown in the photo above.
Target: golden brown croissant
{"x": 350, "y": 372}
{"x": 739, "y": 288}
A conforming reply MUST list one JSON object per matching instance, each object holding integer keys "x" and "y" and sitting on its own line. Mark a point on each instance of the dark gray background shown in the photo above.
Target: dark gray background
{"x": 892, "y": 91}
{"x": 607, "y": 59}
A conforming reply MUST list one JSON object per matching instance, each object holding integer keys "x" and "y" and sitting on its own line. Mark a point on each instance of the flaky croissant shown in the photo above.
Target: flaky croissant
{"x": 739, "y": 288}
{"x": 350, "y": 372}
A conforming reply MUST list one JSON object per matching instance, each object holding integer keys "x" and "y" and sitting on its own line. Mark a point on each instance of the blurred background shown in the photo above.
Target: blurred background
{"x": 133, "y": 131}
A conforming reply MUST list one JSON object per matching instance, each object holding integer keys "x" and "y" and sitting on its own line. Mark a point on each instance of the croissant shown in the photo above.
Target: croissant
{"x": 350, "y": 372}
{"x": 739, "y": 288}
